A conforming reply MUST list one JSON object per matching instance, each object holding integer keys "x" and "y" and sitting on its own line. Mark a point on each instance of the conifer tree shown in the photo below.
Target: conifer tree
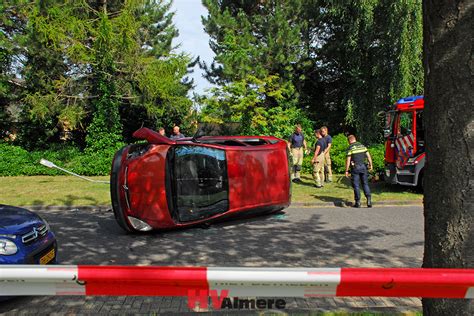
{"x": 100, "y": 67}
{"x": 257, "y": 45}
{"x": 342, "y": 62}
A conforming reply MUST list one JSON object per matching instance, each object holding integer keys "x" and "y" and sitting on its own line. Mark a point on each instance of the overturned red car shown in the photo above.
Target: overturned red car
{"x": 165, "y": 184}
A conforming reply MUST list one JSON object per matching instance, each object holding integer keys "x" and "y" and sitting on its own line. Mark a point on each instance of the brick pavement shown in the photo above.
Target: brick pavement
{"x": 300, "y": 237}
{"x": 138, "y": 305}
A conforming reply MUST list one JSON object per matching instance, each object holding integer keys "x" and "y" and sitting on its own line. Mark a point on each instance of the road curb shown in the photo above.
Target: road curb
{"x": 342, "y": 203}
{"x": 73, "y": 208}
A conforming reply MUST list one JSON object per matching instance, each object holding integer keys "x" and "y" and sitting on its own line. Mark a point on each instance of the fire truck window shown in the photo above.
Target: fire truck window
{"x": 201, "y": 184}
{"x": 419, "y": 126}
{"x": 389, "y": 119}
{"x": 406, "y": 123}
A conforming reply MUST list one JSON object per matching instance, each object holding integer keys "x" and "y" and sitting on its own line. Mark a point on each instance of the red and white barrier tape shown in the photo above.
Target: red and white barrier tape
{"x": 237, "y": 282}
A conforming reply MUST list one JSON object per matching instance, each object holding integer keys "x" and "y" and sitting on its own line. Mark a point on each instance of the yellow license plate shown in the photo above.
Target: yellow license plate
{"x": 47, "y": 257}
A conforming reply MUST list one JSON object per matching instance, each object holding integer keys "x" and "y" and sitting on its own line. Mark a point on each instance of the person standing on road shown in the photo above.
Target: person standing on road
{"x": 176, "y": 134}
{"x": 356, "y": 161}
{"x": 297, "y": 147}
{"x": 327, "y": 155}
{"x": 318, "y": 160}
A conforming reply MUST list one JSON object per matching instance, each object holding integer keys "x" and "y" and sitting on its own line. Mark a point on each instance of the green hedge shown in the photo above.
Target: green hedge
{"x": 16, "y": 161}
{"x": 378, "y": 157}
{"x": 338, "y": 155}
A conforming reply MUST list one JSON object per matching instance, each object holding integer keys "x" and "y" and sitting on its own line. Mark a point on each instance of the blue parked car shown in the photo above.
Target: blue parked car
{"x": 25, "y": 238}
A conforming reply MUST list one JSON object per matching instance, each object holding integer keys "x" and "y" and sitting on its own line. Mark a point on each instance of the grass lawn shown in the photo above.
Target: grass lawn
{"x": 66, "y": 190}
{"x": 53, "y": 190}
{"x": 340, "y": 190}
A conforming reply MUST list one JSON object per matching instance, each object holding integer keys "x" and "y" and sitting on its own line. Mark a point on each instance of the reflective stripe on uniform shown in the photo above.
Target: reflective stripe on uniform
{"x": 357, "y": 150}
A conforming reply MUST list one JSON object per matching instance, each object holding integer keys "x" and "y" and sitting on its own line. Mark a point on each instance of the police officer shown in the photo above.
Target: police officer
{"x": 356, "y": 161}
{"x": 296, "y": 144}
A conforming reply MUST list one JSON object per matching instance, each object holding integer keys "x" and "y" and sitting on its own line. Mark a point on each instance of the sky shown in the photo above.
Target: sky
{"x": 192, "y": 38}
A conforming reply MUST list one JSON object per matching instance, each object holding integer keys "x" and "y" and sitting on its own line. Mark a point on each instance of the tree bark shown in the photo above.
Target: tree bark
{"x": 449, "y": 181}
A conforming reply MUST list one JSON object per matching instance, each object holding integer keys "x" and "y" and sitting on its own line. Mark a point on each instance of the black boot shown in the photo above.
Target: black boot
{"x": 356, "y": 204}
{"x": 369, "y": 201}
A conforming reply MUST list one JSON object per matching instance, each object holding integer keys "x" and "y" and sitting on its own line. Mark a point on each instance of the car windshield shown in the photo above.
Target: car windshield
{"x": 200, "y": 186}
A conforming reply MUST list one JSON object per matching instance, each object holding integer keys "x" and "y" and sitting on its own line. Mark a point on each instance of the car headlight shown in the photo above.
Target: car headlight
{"x": 7, "y": 247}
{"x": 139, "y": 224}
{"x": 8, "y": 236}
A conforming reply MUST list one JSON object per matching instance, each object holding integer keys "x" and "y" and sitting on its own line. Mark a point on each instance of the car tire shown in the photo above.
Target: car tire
{"x": 115, "y": 192}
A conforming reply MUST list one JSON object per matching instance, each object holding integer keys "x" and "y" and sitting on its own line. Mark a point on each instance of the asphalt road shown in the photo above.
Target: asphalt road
{"x": 297, "y": 237}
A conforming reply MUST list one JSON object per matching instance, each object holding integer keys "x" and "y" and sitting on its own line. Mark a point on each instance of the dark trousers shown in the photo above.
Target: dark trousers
{"x": 359, "y": 173}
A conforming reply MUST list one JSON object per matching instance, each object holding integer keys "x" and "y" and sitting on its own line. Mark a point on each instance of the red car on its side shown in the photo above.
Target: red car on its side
{"x": 166, "y": 184}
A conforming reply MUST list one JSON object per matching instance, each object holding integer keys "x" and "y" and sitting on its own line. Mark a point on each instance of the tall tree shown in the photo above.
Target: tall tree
{"x": 449, "y": 179}
{"x": 257, "y": 45}
{"x": 344, "y": 61}
{"x": 105, "y": 128}
{"x": 12, "y": 25}
{"x": 372, "y": 54}
{"x": 100, "y": 66}
{"x": 43, "y": 67}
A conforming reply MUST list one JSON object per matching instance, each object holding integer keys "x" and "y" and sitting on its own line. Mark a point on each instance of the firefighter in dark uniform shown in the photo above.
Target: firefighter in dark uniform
{"x": 356, "y": 161}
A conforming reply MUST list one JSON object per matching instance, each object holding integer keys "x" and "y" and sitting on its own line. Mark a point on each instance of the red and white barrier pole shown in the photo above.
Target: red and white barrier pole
{"x": 16, "y": 280}
{"x": 235, "y": 282}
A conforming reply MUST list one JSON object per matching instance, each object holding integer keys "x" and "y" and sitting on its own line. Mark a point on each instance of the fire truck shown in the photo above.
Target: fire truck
{"x": 404, "y": 145}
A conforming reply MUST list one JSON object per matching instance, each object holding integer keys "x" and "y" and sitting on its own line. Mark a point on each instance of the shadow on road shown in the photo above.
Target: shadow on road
{"x": 93, "y": 237}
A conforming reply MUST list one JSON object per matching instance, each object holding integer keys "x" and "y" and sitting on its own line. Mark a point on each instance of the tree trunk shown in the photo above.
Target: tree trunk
{"x": 449, "y": 181}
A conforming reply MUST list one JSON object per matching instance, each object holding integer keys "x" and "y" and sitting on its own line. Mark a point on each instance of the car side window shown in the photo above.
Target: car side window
{"x": 201, "y": 182}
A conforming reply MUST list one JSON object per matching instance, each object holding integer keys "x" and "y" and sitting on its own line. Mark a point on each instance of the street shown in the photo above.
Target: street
{"x": 390, "y": 236}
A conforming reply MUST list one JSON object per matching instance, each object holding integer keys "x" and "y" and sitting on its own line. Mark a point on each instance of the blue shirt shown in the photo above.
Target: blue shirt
{"x": 176, "y": 136}
{"x": 322, "y": 145}
{"x": 328, "y": 139}
{"x": 297, "y": 140}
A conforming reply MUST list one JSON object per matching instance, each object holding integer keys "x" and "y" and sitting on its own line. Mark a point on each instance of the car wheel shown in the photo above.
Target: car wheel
{"x": 115, "y": 193}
